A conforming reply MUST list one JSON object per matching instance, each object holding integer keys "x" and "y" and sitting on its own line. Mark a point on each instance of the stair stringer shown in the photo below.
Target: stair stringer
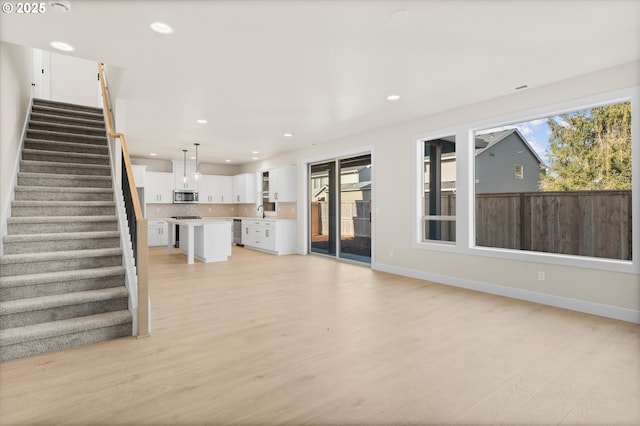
{"x": 14, "y": 178}
{"x": 128, "y": 261}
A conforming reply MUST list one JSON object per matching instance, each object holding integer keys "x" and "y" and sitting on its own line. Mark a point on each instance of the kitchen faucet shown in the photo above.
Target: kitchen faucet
{"x": 261, "y": 207}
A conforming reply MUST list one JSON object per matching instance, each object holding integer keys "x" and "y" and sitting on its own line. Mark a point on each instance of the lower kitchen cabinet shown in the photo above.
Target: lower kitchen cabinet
{"x": 157, "y": 233}
{"x": 272, "y": 236}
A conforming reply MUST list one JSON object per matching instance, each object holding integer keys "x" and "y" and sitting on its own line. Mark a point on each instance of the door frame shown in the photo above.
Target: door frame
{"x": 304, "y": 210}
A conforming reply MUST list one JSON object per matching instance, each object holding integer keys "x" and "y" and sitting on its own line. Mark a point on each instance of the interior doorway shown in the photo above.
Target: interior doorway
{"x": 340, "y": 208}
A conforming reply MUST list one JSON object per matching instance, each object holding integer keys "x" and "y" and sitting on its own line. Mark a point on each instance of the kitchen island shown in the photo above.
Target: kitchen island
{"x": 208, "y": 240}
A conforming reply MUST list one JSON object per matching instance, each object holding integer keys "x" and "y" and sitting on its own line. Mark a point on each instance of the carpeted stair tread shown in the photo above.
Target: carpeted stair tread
{"x": 60, "y": 219}
{"x": 53, "y": 135}
{"x": 51, "y": 116}
{"x": 60, "y": 146}
{"x": 64, "y": 180}
{"x": 45, "y": 204}
{"x": 53, "y": 189}
{"x": 59, "y": 300}
{"x": 61, "y": 276}
{"x": 65, "y": 105}
{"x": 29, "y": 333}
{"x": 66, "y": 154}
{"x": 64, "y": 165}
{"x": 10, "y": 259}
{"x": 60, "y": 236}
{"x": 66, "y": 128}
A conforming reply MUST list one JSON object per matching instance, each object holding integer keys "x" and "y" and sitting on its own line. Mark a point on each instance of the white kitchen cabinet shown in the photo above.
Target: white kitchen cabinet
{"x": 282, "y": 184}
{"x": 158, "y": 187}
{"x": 139, "y": 174}
{"x": 178, "y": 175}
{"x": 272, "y": 236}
{"x": 244, "y": 188}
{"x": 157, "y": 233}
{"x": 216, "y": 189}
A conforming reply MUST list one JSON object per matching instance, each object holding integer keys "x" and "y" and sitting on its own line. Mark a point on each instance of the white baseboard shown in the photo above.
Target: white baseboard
{"x": 615, "y": 312}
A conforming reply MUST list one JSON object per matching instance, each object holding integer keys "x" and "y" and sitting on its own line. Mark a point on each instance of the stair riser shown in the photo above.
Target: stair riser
{"x": 50, "y": 289}
{"x": 22, "y": 350}
{"x": 60, "y": 119}
{"x": 65, "y": 128}
{"x": 19, "y": 211}
{"x": 65, "y": 137}
{"x": 81, "y": 148}
{"x": 54, "y": 227}
{"x": 63, "y": 169}
{"x": 65, "y": 158}
{"x": 60, "y": 265}
{"x": 62, "y": 106}
{"x": 23, "y": 319}
{"x": 78, "y": 181}
{"x": 64, "y": 245}
{"x": 63, "y": 196}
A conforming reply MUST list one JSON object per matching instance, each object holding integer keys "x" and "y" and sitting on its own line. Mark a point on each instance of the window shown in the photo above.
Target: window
{"x": 579, "y": 203}
{"x": 266, "y": 204}
{"x": 439, "y": 190}
{"x": 519, "y": 172}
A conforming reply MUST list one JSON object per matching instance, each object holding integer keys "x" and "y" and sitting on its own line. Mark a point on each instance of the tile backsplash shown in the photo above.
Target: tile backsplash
{"x": 154, "y": 211}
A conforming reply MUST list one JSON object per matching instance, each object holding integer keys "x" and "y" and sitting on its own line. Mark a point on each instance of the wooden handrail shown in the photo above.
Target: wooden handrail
{"x": 123, "y": 141}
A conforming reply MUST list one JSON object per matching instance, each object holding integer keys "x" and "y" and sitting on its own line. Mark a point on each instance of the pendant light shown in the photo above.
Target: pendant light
{"x": 184, "y": 169}
{"x": 196, "y": 174}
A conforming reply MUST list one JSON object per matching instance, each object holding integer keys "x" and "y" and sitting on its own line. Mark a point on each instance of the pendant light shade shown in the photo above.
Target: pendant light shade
{"x": 184, "y": 169}
{"x": 196, "y": 174}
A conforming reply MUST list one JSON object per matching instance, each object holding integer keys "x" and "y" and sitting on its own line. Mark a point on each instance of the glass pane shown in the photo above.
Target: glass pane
{"x": 439, "y": 189}
{"x": 323, "y": 218}
{"x": 355, "y": 208}
{"x": 572, "y": 188}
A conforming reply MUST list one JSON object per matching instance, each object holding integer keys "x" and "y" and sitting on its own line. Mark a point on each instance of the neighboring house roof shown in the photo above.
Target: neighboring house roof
{"x": 345, "y": 187}
{"x": 489, "y": 140}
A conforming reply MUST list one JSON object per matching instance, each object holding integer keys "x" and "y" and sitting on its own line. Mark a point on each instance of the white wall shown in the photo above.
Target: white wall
{"x": 600, "y": 291}
{"x": 16, "y": 69}
{"x": 74, "y": 80}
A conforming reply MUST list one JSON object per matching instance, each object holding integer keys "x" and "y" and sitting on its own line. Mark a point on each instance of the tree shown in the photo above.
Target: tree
{"x": 590, "y": 150}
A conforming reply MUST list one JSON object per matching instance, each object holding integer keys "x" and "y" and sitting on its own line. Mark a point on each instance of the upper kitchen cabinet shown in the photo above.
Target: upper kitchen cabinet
{"x": 244, "y": 188}
{"x": 216, "y": 189}
{"x": 282, "y": 184}
{"x": 158, "y": 187}
{"x": 179, "y": 172}
{"x": 139, "y": 174}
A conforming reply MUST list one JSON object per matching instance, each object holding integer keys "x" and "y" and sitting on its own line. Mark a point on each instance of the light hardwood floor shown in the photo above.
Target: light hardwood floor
{"x": 263, "y": 339}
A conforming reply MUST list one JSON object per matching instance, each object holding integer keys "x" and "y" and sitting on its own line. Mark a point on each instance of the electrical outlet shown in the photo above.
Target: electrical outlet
{"x": 540, "y": 275}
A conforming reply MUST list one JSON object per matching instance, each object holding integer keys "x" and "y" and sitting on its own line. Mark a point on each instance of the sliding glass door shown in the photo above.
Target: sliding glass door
{"x": 340, "y": 208}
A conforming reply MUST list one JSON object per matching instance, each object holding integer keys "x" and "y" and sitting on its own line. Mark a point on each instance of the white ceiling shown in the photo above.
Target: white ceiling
{"x": 322, "y": 69}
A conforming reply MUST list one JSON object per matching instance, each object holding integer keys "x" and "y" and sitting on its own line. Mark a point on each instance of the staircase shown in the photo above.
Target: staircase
{"x": 62, "y": 283}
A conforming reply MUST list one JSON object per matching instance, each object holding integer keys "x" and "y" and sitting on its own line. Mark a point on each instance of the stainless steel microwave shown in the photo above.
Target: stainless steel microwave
{"x": 185, "y": 196}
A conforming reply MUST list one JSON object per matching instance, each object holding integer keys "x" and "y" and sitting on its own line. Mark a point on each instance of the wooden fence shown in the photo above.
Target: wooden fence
{"x": 585, "y": 223}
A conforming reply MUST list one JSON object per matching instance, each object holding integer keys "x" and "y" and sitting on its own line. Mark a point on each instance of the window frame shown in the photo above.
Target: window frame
{"x": 465, "y": 186}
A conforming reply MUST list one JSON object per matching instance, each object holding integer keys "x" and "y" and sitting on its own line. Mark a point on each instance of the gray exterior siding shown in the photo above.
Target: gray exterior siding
{"x": 495, "y": 167}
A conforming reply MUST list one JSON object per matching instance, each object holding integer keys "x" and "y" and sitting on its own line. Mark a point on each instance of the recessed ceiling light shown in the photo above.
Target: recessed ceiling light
{"x": 193, "y": 158}
{"x": 254, "y": 158}
{"x": 227, "y": 161}
{"x": 201, "y": 121}
{"x": 255, "y": 152}
{"x": 161, "y": 28}
{"x": 153, "y": 154}
{"x": 61, "y": 45}
{"x": 288, "y": 135}
{"x": 400, "y": 14}
{"x": 393, "y": 97}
